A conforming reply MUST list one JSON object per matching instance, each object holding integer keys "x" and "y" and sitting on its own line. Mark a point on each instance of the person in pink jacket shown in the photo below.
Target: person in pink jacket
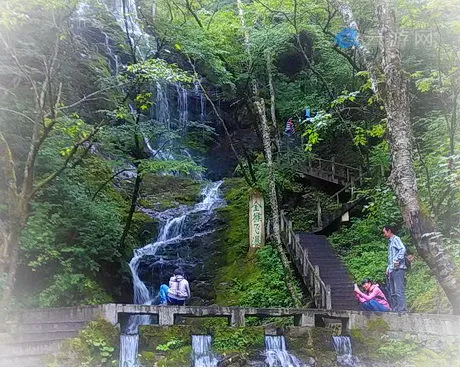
{"x": 372, "y": 299}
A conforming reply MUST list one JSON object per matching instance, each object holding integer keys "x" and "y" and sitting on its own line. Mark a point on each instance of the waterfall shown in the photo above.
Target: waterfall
{"x": 172, "y": 233}
{"x": 162, "y": 106}
{"x": 342, "y": 346}
{"x": 114, "y": 63}
{"x": 276, "y": 353}
{"x": 125, "y": 12}
{"x": 202, "y": 100}
{"x": 182, "y": 105}
{"x": 128, "y": 350}
{"x": 202, "y": 356}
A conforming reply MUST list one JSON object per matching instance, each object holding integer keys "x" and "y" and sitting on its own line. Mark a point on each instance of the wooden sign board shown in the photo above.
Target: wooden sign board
{"x": 256, "y": 220}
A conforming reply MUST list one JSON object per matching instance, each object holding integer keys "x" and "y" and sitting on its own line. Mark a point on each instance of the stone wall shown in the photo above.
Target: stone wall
{"x": 31, "y": 335}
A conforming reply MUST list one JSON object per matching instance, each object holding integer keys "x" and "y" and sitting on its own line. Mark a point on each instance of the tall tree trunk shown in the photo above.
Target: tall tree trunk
{"x": 345, "y": 11}
{"x": 452, "y": 126}
{"x": 428, "y": 241}
{"x": 134, "y": 196}
{"x": 259, "y": 104}
{"x": 289, "y": 277}
{"x": 276, "y": 135}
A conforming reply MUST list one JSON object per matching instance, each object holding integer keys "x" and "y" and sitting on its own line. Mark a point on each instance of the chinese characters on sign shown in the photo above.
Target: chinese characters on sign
{"x": 256, "y": 220}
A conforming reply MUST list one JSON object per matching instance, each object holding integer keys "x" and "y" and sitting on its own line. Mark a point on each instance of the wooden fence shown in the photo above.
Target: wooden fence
{"x": 332, "y": 171}
{"x": 320, "y": 292}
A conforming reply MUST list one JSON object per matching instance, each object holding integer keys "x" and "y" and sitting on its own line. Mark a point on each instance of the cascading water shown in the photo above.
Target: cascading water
{"x": 342, "y": 346}
{"x": 162, "y": 106}
{"x": 128, "y": 350}
{"x": 125, "y": 12}
{"x": 201, "y": 99}
{"x": 113, "y": 59}
{"x": 276, "y": 353}
{"x": 178, "y": 225}
{"x": 202, "y": 356}
{"x": 182, "y": 105}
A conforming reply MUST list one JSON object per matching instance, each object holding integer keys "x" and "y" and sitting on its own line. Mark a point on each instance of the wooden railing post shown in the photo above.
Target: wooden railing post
{"x": 317, "y": 283}
{"x": 328, "y": 297}
{"x": 333, "y": 167}
{"x": 352, "y": 189}
{"x": 320, "y": 292}
{"x": 298, "y": 249}
{"x": 320, "y": 220}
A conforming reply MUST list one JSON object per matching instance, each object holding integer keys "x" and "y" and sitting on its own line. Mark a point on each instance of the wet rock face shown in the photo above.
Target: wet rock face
{"x": 196, "y": 251}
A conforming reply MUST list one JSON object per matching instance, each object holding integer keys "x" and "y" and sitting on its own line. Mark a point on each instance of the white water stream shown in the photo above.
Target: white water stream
{"x": 277, "y": 354}
{"x": 202, "y": 355}
{"x": 171, "y": 232}
{"x": 342, "y": 346}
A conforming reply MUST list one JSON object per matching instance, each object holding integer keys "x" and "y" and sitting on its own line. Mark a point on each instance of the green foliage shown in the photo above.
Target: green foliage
{"x": 152, "y": 70}
{"x": 248, "y": 279}
{"x": 423, "y": 293}
{"x": 72, "y": 289}
{"x": 165, "y": 346}
{"x": 265, "y": 286}
{"x": 236, "y": 339}
{"x": 304, "y": 215}
{"x": 69, "y": 236}
{"x": 397, "y": 351}
{"x": 315, "y": 126}
{"x": 95, "y": 346}
{"x": 367, "y": 260}
{"x": 174, "y": 343}
{"x": 362, "y": 244}
{"x": 199, "y": 137}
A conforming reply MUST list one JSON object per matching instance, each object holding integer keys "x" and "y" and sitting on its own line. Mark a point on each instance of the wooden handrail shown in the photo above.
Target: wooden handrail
{"x": 335, "y": 163}
{"x": 310, "y": 273}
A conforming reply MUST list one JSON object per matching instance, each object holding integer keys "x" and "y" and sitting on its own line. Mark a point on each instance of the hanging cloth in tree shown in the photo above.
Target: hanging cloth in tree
{"x": 347, "y": 38}
{"x": 289, "y": 127}
{"x": 307, "y": 112}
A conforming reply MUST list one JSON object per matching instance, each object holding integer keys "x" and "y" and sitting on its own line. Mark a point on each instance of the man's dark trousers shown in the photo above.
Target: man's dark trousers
{"x": 397, "y": 290}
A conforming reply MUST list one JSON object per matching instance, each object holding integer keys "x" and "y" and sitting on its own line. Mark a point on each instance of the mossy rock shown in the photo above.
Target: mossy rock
{"x": 171, "y": 345}
{"x": 143, "y": 227}
{"x": 166, "y": 346}
{"x": 311, "y": 342}
{"x": 96, "y": 345}
{"x": 160, "y": 192}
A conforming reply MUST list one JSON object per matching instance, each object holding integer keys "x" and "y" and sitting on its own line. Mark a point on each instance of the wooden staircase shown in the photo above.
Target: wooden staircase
{"x": 322, "y": 271}
{"x": 331, "y": 269}
{"x": 331, "y": 171}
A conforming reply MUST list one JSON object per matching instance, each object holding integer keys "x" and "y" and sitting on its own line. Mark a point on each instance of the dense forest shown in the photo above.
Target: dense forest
{"x": 86, "y": 147}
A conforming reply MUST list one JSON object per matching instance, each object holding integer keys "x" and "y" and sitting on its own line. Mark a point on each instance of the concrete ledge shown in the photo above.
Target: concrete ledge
{"x": 432, "y": 324}
{"x": 66, "y": 314}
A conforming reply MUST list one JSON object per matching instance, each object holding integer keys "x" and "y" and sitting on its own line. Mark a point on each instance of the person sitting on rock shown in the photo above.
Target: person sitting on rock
{"x": 178, "y": 290}
{"x": 372, "y": 299}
